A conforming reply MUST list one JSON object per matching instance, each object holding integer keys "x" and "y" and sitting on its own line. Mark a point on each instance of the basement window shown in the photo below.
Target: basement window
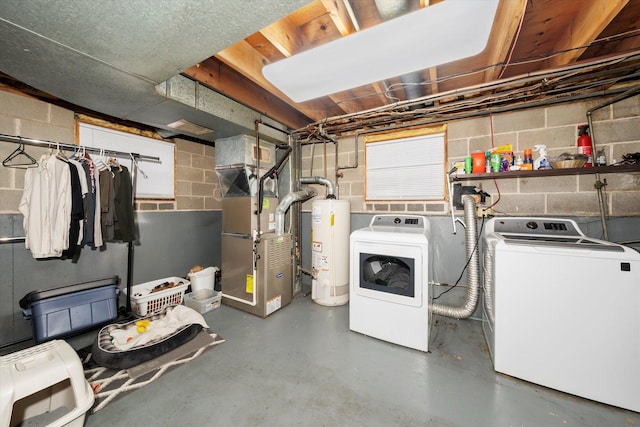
{"x": 407, "y": 165}
{"x": 158, "y": 180}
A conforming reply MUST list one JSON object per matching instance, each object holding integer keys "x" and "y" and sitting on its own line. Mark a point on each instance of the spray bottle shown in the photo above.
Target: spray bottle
{"x": 541, "y": 162}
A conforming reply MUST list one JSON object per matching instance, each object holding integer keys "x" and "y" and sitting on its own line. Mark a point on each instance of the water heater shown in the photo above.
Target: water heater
{"x": 330, "y": 229}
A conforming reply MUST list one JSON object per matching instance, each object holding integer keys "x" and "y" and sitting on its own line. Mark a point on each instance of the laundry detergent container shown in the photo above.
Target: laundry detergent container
{"x": 203, "y": 279}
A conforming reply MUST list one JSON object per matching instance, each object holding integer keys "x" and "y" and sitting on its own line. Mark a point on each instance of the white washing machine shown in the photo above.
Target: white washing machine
{"x": 389, "y": 276}
{"x": 563, "y": 310}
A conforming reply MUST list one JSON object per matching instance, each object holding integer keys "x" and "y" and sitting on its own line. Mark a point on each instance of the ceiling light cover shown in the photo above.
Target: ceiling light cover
{"x": 445, "y": 32}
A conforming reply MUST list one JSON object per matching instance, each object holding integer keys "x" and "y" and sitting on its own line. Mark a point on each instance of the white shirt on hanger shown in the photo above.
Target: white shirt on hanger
{"x": 46, "y": 207}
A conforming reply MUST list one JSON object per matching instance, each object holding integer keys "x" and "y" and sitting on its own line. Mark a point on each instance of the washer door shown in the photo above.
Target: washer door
{"x": 389, "y": 272}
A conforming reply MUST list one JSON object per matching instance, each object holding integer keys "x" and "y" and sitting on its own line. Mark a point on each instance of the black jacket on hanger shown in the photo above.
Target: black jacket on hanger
{"x": 124, "y": 229}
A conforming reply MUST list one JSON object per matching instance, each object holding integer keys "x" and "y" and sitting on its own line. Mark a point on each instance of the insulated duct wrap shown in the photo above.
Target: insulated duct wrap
{"x": 288, "y": 200}
{"x": 473, "y": 269}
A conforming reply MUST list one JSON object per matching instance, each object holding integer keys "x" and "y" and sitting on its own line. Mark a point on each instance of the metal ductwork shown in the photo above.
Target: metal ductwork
{"x": 288, "y": 200}
{"x": 390, "y": 9}
{"x": 109, "y": 60}
{"x": 473, "y": 269}
{"x": 331, "y": 188}
{"x": 225, "y": 116}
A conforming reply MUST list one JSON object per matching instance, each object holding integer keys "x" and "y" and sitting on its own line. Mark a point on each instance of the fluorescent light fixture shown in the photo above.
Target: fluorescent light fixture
{"x": 445, "y": 32}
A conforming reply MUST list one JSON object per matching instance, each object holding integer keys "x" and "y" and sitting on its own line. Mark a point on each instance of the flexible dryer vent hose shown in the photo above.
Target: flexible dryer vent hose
{"x": 473, "y": 269}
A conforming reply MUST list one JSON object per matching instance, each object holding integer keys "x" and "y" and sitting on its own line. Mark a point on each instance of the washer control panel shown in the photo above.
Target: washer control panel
{"x": 535, "y": 226}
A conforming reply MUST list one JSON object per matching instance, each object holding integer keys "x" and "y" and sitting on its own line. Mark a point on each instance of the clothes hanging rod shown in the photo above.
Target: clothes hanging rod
{"x": 39, "y": 142}
{"x": 12, "y": 239}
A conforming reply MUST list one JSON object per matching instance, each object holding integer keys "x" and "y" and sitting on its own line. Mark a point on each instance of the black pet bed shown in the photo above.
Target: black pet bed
{"x": 106, "y": 354}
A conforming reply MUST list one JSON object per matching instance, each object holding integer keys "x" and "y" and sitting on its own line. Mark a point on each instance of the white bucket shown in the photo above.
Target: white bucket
{"x": 203, "y": 279}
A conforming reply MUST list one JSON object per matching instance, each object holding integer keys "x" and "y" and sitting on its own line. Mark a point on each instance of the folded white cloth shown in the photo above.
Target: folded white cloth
{"x": 174, "y": 318}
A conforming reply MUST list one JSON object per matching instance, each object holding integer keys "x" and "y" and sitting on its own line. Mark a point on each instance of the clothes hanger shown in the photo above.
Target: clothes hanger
{"x": 30, "y": 162}
{"x": 137, "y": 166}
{"x": 59, "y": 154}
{"x": 98, "y": 162}
{"x": 74, "y": 155}
{"x": 102, "y": 163}
{"x": 114, "y": 162}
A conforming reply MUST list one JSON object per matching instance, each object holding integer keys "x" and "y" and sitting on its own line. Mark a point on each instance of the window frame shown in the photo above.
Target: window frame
{"x": 412, "y": 136}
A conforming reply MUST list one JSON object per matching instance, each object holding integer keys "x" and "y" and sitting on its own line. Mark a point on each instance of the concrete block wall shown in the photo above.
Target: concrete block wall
{"x": 616, "y": 130}
{"x": 20, "y": 115}
{"x": 24, "y": 116}
{"x": 196, "y": 182}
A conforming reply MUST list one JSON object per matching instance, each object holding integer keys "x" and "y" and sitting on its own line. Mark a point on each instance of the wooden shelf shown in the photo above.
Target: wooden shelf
{"x": 547, "y": 172}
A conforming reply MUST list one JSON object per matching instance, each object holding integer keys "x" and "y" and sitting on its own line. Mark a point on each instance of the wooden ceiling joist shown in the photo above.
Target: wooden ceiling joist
{"x": 214, "y": 74}
{"x": 244, "y": 59}
{"x": 528, "y": 36}
{"x": 340, "y": 16}
{"x": 286, "y": 37}
{"x": 503, "y": 36}
{"x": 584, "y": 28}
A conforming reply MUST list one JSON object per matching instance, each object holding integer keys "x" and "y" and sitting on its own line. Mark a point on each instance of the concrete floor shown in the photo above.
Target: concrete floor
{"x": 303, "y": 367}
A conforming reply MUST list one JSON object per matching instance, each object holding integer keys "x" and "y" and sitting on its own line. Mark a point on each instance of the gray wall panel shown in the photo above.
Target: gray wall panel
{"x": 170, "y": 244}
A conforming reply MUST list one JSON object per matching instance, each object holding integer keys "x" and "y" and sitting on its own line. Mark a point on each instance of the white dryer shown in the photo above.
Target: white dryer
{"x": 389, "y": 276}
{"x": 561, "y": 309}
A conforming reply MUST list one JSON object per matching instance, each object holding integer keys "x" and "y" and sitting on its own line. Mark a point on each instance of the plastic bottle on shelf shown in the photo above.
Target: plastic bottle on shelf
{"x": 601, "y": 158}
{"x": 527, "y": 162}
{"x": 517, "y": 163}
{"x": 541, "y": 162}
{"x": 528, "y": 157}
{"x": 478, "y": 162}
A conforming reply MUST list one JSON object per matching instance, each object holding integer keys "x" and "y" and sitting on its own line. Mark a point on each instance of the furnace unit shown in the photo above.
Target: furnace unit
{"x": 257, "y": 265}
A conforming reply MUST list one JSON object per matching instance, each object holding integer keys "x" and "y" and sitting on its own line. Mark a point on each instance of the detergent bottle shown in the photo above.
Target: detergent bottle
{"x": 541, "y": 162}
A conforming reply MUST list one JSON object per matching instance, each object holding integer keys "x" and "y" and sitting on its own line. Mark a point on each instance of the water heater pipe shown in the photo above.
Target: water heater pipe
{"x": 473, "y": 269}
{"x": 331, "y": 189}
{"x": 288, "y": 200}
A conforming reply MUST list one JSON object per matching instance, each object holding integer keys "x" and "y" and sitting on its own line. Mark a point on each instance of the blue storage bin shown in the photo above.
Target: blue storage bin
{"x": 69, "y": 310}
